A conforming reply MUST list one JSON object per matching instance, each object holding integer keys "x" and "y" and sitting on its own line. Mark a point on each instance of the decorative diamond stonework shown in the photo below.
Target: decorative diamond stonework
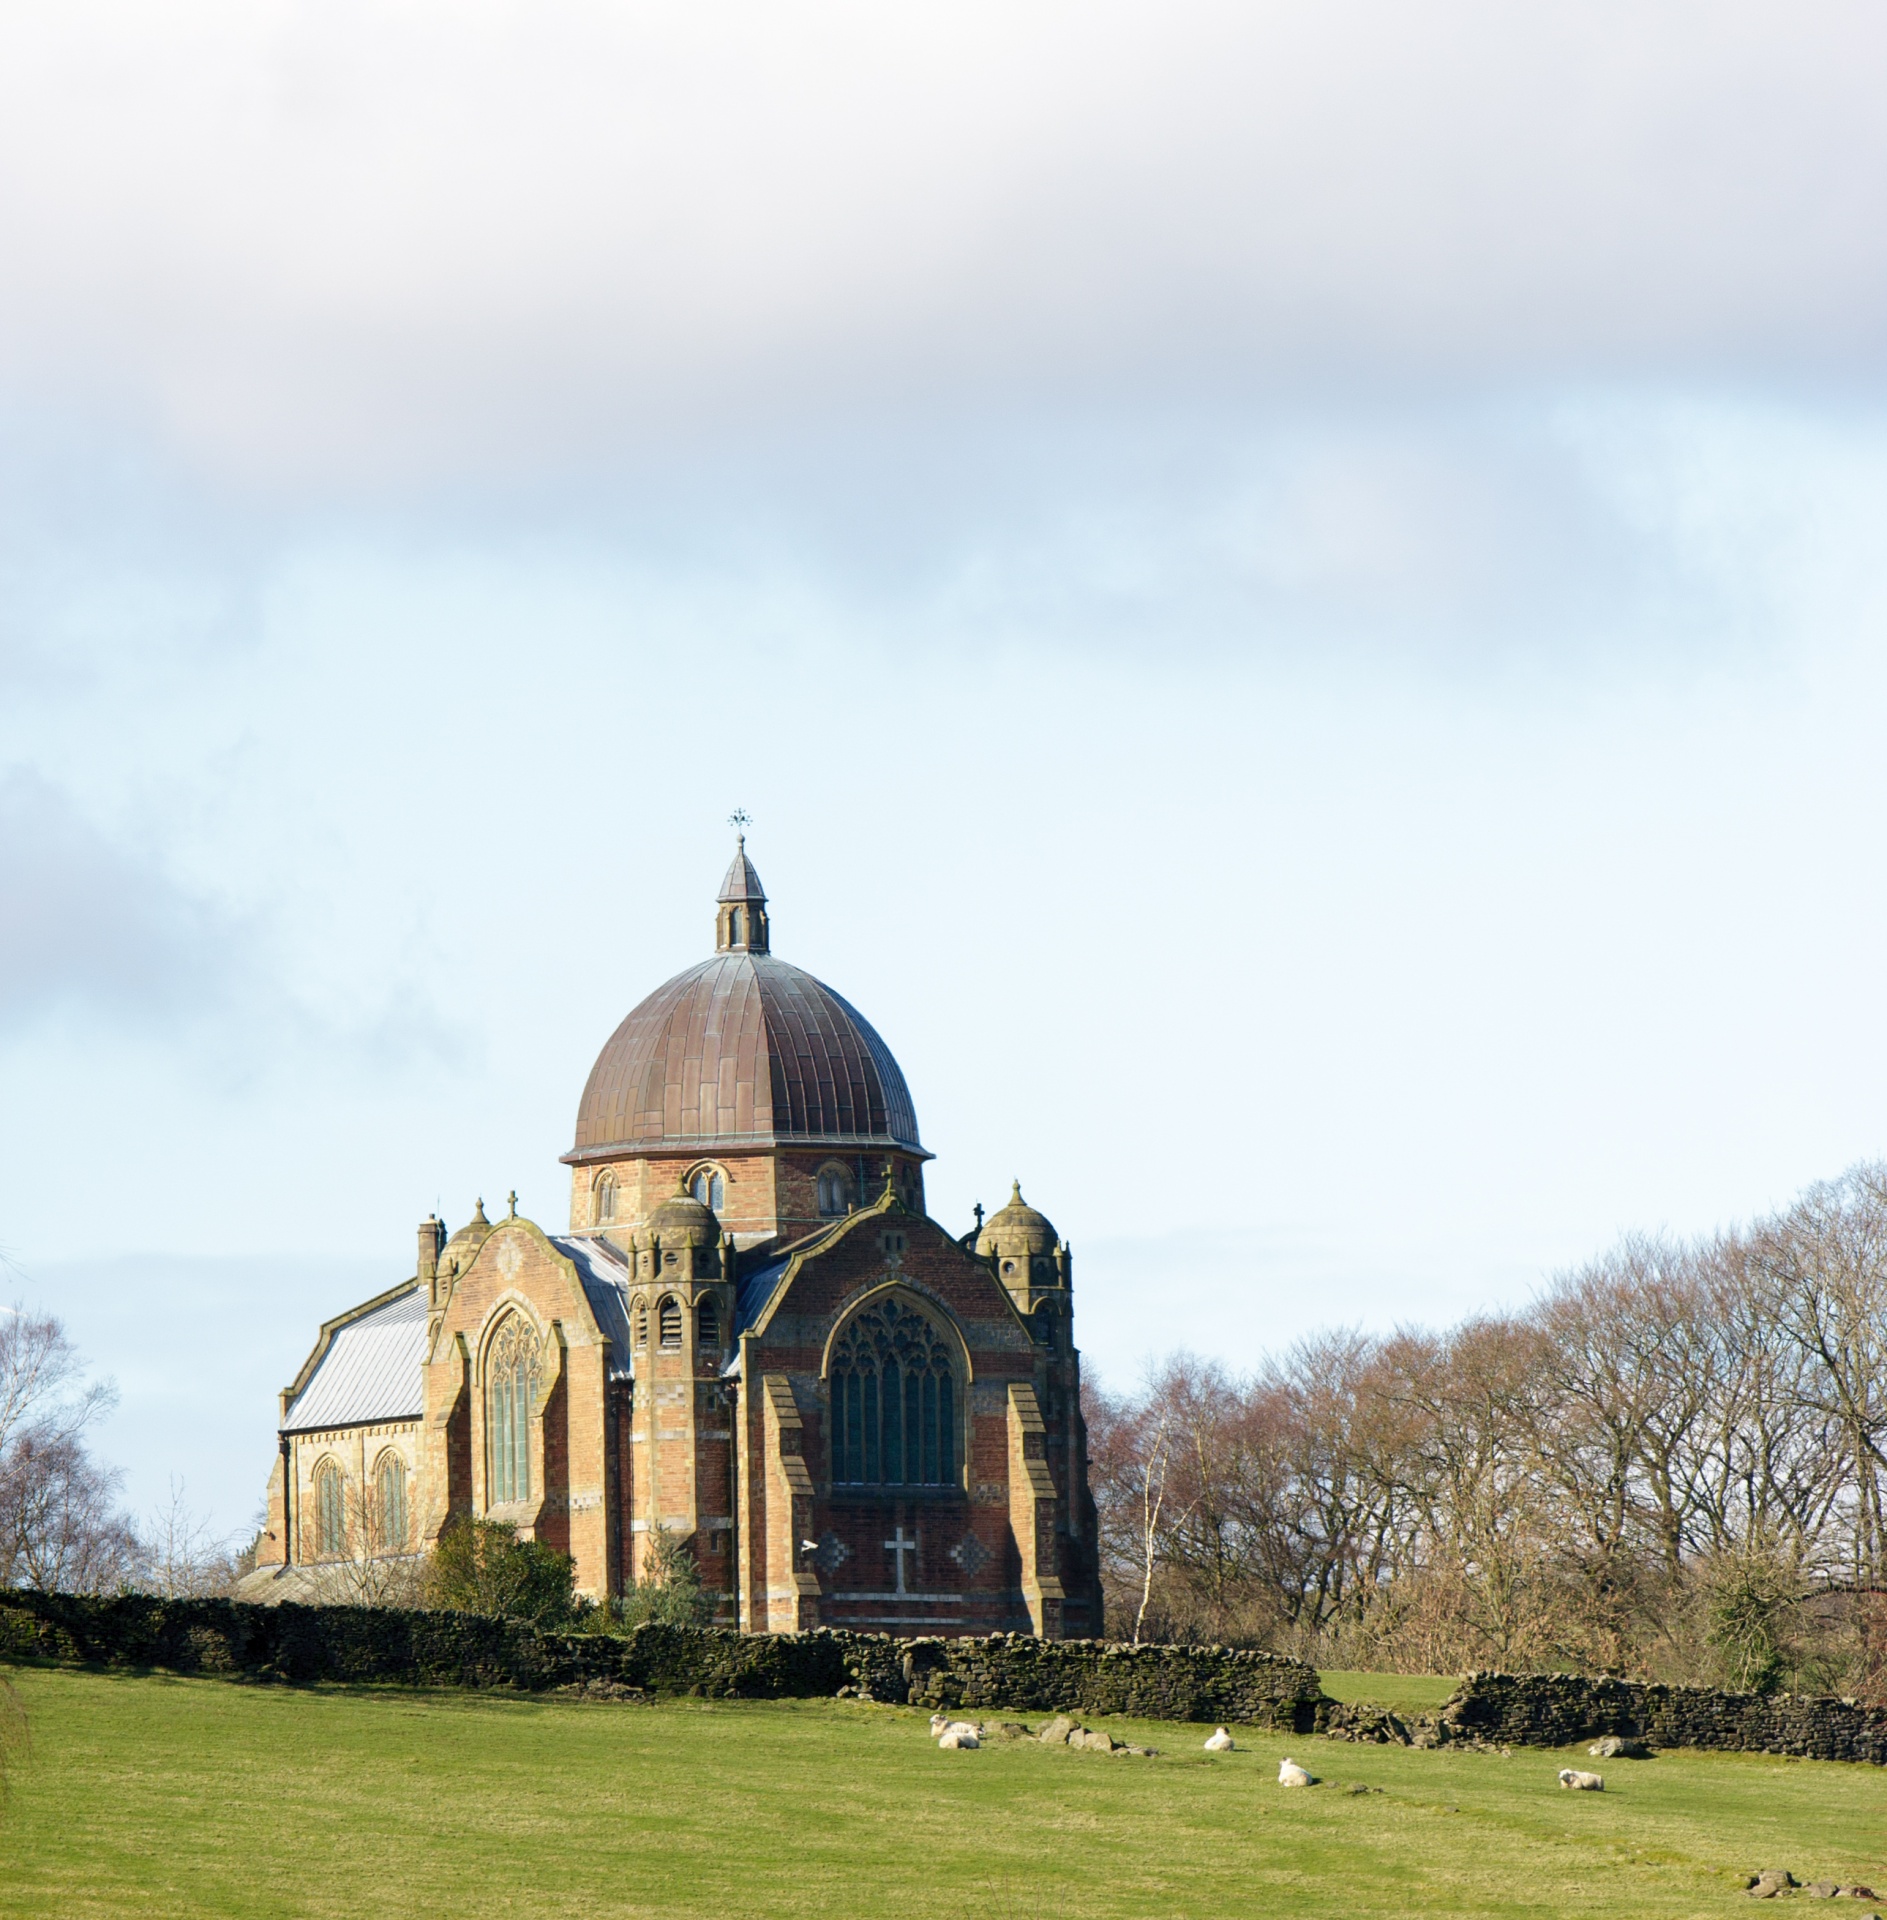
{"x": 971, "y": 1555}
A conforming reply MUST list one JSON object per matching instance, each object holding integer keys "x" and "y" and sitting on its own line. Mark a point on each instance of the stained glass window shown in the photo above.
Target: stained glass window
{"x": 390, "y": 1503}
{"x": 894, "y": 1397}
{"x": 510, "y": 1389}
{"x": 330, "y": 1511}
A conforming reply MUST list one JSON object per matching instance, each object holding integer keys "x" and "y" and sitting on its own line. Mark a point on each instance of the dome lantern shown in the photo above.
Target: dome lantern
{"x": 740, "y": 919}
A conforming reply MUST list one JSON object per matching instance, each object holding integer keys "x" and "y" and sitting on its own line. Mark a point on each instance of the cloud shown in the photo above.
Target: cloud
{"x": 356, "y": 244}
{"x": 90, "y": 923}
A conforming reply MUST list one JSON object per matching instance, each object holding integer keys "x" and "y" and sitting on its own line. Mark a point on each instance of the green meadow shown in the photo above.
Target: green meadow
{"x": 158, "y": 1796}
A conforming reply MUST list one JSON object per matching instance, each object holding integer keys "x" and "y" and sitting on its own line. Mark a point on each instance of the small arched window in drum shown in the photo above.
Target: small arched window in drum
{"x": 669, "y": 1320}
{"x": 894, "y": 1401}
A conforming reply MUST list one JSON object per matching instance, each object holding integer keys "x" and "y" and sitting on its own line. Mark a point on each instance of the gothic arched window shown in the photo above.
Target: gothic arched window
{"x": 510, "y": 1389}
{"x": 835, "y": 1192}
{"x": 707, "y": 1322}
{"x": 709, "y": 1189}
{"x": 668, "y": 1319}
{"x": 733, "y": 926}
{"x": 389, "y": 1503}
{"x": 605, "y": 1198}
{"x": 894, "y": 1399}
{"x": 330, "y": 1512}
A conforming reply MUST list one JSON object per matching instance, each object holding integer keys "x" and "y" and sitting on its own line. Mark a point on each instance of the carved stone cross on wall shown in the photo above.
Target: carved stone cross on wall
{"x": 901, "y": 1546}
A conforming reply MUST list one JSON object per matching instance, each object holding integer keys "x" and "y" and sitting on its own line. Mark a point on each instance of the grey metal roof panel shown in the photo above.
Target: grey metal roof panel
{"x": 605, "y": 1277}
{"x": 371, "y": 1370}
{"x": 753, "y": 1292}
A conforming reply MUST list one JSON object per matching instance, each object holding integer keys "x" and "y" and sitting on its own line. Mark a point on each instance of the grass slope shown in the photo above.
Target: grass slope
{"x": 156, "y": 1796}
{"x": 1405, "y": 1693}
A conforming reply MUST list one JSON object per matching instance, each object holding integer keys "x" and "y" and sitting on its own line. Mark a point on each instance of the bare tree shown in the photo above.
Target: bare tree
{"x": 180, "y": 1555}
{"x": 60, "y": 1523}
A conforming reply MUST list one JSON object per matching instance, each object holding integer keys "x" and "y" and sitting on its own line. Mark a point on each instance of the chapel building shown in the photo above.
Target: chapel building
{"x": 752, "y": 1335}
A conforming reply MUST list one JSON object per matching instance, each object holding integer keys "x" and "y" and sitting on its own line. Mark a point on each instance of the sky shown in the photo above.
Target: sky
{"x": 1296, "y": 594}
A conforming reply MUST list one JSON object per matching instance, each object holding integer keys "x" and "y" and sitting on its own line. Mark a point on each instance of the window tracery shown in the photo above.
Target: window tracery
{"x": 835, "y": 1192}
{"x": 390, "y": 1504}
{"x": 511, "y": 1370}
{"x": 330, "y": 1511}
{"x": 709, "y": 1188}
{"x": 894, "y": 1398}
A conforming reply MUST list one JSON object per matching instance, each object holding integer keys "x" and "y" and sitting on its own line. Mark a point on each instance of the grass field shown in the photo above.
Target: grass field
{"x": 158, "y": 1796}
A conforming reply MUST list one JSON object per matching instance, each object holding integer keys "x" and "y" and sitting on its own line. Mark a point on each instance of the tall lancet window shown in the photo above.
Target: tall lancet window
{"x": 894, "y": 1401}
{"x": 510, "y": 1388}
{"x": 389, "y": 1490}
{"x": 733, "y": 926}
{"x": 330, "y": 1512}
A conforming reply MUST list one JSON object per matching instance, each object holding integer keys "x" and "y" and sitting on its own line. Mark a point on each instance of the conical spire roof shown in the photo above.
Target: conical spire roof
{"x": 742, "y": 886}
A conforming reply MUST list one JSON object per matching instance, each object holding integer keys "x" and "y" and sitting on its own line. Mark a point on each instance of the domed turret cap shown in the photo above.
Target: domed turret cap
{"x": 1017, "y": 1228}
{"x": 468, "y": 1239}
{"x": 681, "y": 1220}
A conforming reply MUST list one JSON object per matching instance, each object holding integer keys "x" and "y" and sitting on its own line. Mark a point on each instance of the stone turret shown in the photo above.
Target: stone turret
{"x": 1032, "y": 1263}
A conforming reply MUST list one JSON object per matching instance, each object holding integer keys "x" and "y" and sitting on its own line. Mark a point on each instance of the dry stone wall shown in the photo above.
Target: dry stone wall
{"x": 390, "y": 1645}
{"x": 1561, "y": 1709}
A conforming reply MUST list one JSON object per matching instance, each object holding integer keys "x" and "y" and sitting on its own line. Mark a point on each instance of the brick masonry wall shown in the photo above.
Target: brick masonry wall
{"x": 1561, "y": 1709}
{"x": 303, "y": 1644}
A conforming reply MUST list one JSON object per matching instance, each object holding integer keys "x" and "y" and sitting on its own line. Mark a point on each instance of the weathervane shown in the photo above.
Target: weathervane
{"x": 740, "y": 820}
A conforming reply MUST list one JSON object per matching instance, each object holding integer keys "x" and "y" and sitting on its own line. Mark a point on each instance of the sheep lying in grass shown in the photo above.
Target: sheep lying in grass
{"x": 1221, "y": 1742}
{"x": 1581, "y": 1782}
{"x": 954, "y": 1736}
{"x": 1290, "y": 1774}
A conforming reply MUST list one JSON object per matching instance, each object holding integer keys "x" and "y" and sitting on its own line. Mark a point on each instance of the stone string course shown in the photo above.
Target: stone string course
{"x": 1561, "y": 1709}
{"x": 299, "y": 1644}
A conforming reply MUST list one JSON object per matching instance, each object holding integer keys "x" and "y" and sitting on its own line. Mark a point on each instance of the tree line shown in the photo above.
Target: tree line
{"x": 1673, "y": 1464}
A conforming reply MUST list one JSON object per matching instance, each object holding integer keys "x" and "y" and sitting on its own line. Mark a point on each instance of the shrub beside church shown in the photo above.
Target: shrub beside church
{"x": 752, "y": 1340}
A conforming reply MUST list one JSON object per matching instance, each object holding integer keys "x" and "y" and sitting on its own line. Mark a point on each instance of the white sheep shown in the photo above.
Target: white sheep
{"x": 1578, "y": 1782}
{"x": 958, "y": 1735}
{"x": 1221, "y": 1742}
{"x": 1290, "y": 1774}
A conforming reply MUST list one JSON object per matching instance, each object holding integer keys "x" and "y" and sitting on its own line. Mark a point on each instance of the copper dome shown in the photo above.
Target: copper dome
{"x": 743, "y": 1050}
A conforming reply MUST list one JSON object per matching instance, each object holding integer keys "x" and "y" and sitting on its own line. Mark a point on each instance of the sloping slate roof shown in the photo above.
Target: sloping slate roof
{"x": 744, "y": 1048}
{"x": 605, "y": 1276}
{"x": 370, "y": 1370}
{"x": 753, "y": 1292}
